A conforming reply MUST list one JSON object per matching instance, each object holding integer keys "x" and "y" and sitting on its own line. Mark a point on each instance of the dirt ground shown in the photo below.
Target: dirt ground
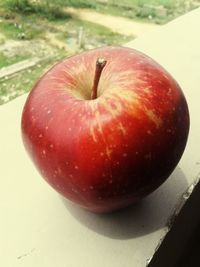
{"x": 117, "y": 24}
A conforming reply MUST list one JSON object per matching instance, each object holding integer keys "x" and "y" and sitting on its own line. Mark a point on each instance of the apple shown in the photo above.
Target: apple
{"x": 106, "y": 127}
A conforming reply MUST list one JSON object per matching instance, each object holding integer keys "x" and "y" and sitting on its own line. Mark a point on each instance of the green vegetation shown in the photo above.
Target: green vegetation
{"x": 74, "y": 3}
{"x": 22, "y": 82}
{"x": 157, "y": 11}
{"x": 44, "y": 9}
{"x": 7, "y": 60}
{"x": 93, "y": 35}
{"x": 19, "y": 30}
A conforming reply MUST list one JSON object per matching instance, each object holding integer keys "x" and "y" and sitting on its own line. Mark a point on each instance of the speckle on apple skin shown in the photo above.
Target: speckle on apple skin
{"x": 106, "y": 153}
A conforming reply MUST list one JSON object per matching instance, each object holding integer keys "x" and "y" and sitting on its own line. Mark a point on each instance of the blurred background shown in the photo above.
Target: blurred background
{"x": 34, "y": 34}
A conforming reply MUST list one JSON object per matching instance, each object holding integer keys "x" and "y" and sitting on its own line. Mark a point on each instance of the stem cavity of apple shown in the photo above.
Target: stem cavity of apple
{"x": 100, "y": 64}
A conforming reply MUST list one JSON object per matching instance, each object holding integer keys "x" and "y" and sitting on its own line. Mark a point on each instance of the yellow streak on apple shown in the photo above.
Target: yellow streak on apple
{"x": 92, "y": 133}
{"x": 153, "y": 117}
{"x": 108, "y": 152}
{"x": 98, "y": 120}
{"x": 93, "y": 106}
{"x": 122, "y": 128}
{"x": 115, "y": 112}
{"x": 129, "y": 96}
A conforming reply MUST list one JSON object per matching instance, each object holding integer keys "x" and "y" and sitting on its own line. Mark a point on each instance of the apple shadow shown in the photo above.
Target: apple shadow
{"x": 146, "y": 216}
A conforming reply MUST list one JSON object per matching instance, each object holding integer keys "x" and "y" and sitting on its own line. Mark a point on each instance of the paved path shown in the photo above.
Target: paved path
{"x": 22, "y": 65}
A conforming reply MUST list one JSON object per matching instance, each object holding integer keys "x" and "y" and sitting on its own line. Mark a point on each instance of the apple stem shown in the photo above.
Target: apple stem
{"x": 100, "y": 64}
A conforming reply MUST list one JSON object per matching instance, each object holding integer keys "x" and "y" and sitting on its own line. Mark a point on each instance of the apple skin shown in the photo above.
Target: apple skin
{"x": 107, "y": 153}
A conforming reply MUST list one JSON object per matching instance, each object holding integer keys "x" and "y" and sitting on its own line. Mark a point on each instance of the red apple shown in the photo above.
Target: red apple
{"x": 106, "y": 132}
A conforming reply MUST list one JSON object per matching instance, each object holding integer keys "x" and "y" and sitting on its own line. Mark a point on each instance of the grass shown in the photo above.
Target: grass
{"x": 74, "y": 3}
{"x": 8, "y": 60}
{"x": 93, "y": 34}
{"x": 22, "y": 82}
{"x": 157, "y": 11}
{"x": 18, "y": 30}
{"x": 44, "y": 9}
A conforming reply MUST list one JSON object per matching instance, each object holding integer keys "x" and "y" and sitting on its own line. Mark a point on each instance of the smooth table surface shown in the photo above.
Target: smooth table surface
{"x": 38, "y": 228}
